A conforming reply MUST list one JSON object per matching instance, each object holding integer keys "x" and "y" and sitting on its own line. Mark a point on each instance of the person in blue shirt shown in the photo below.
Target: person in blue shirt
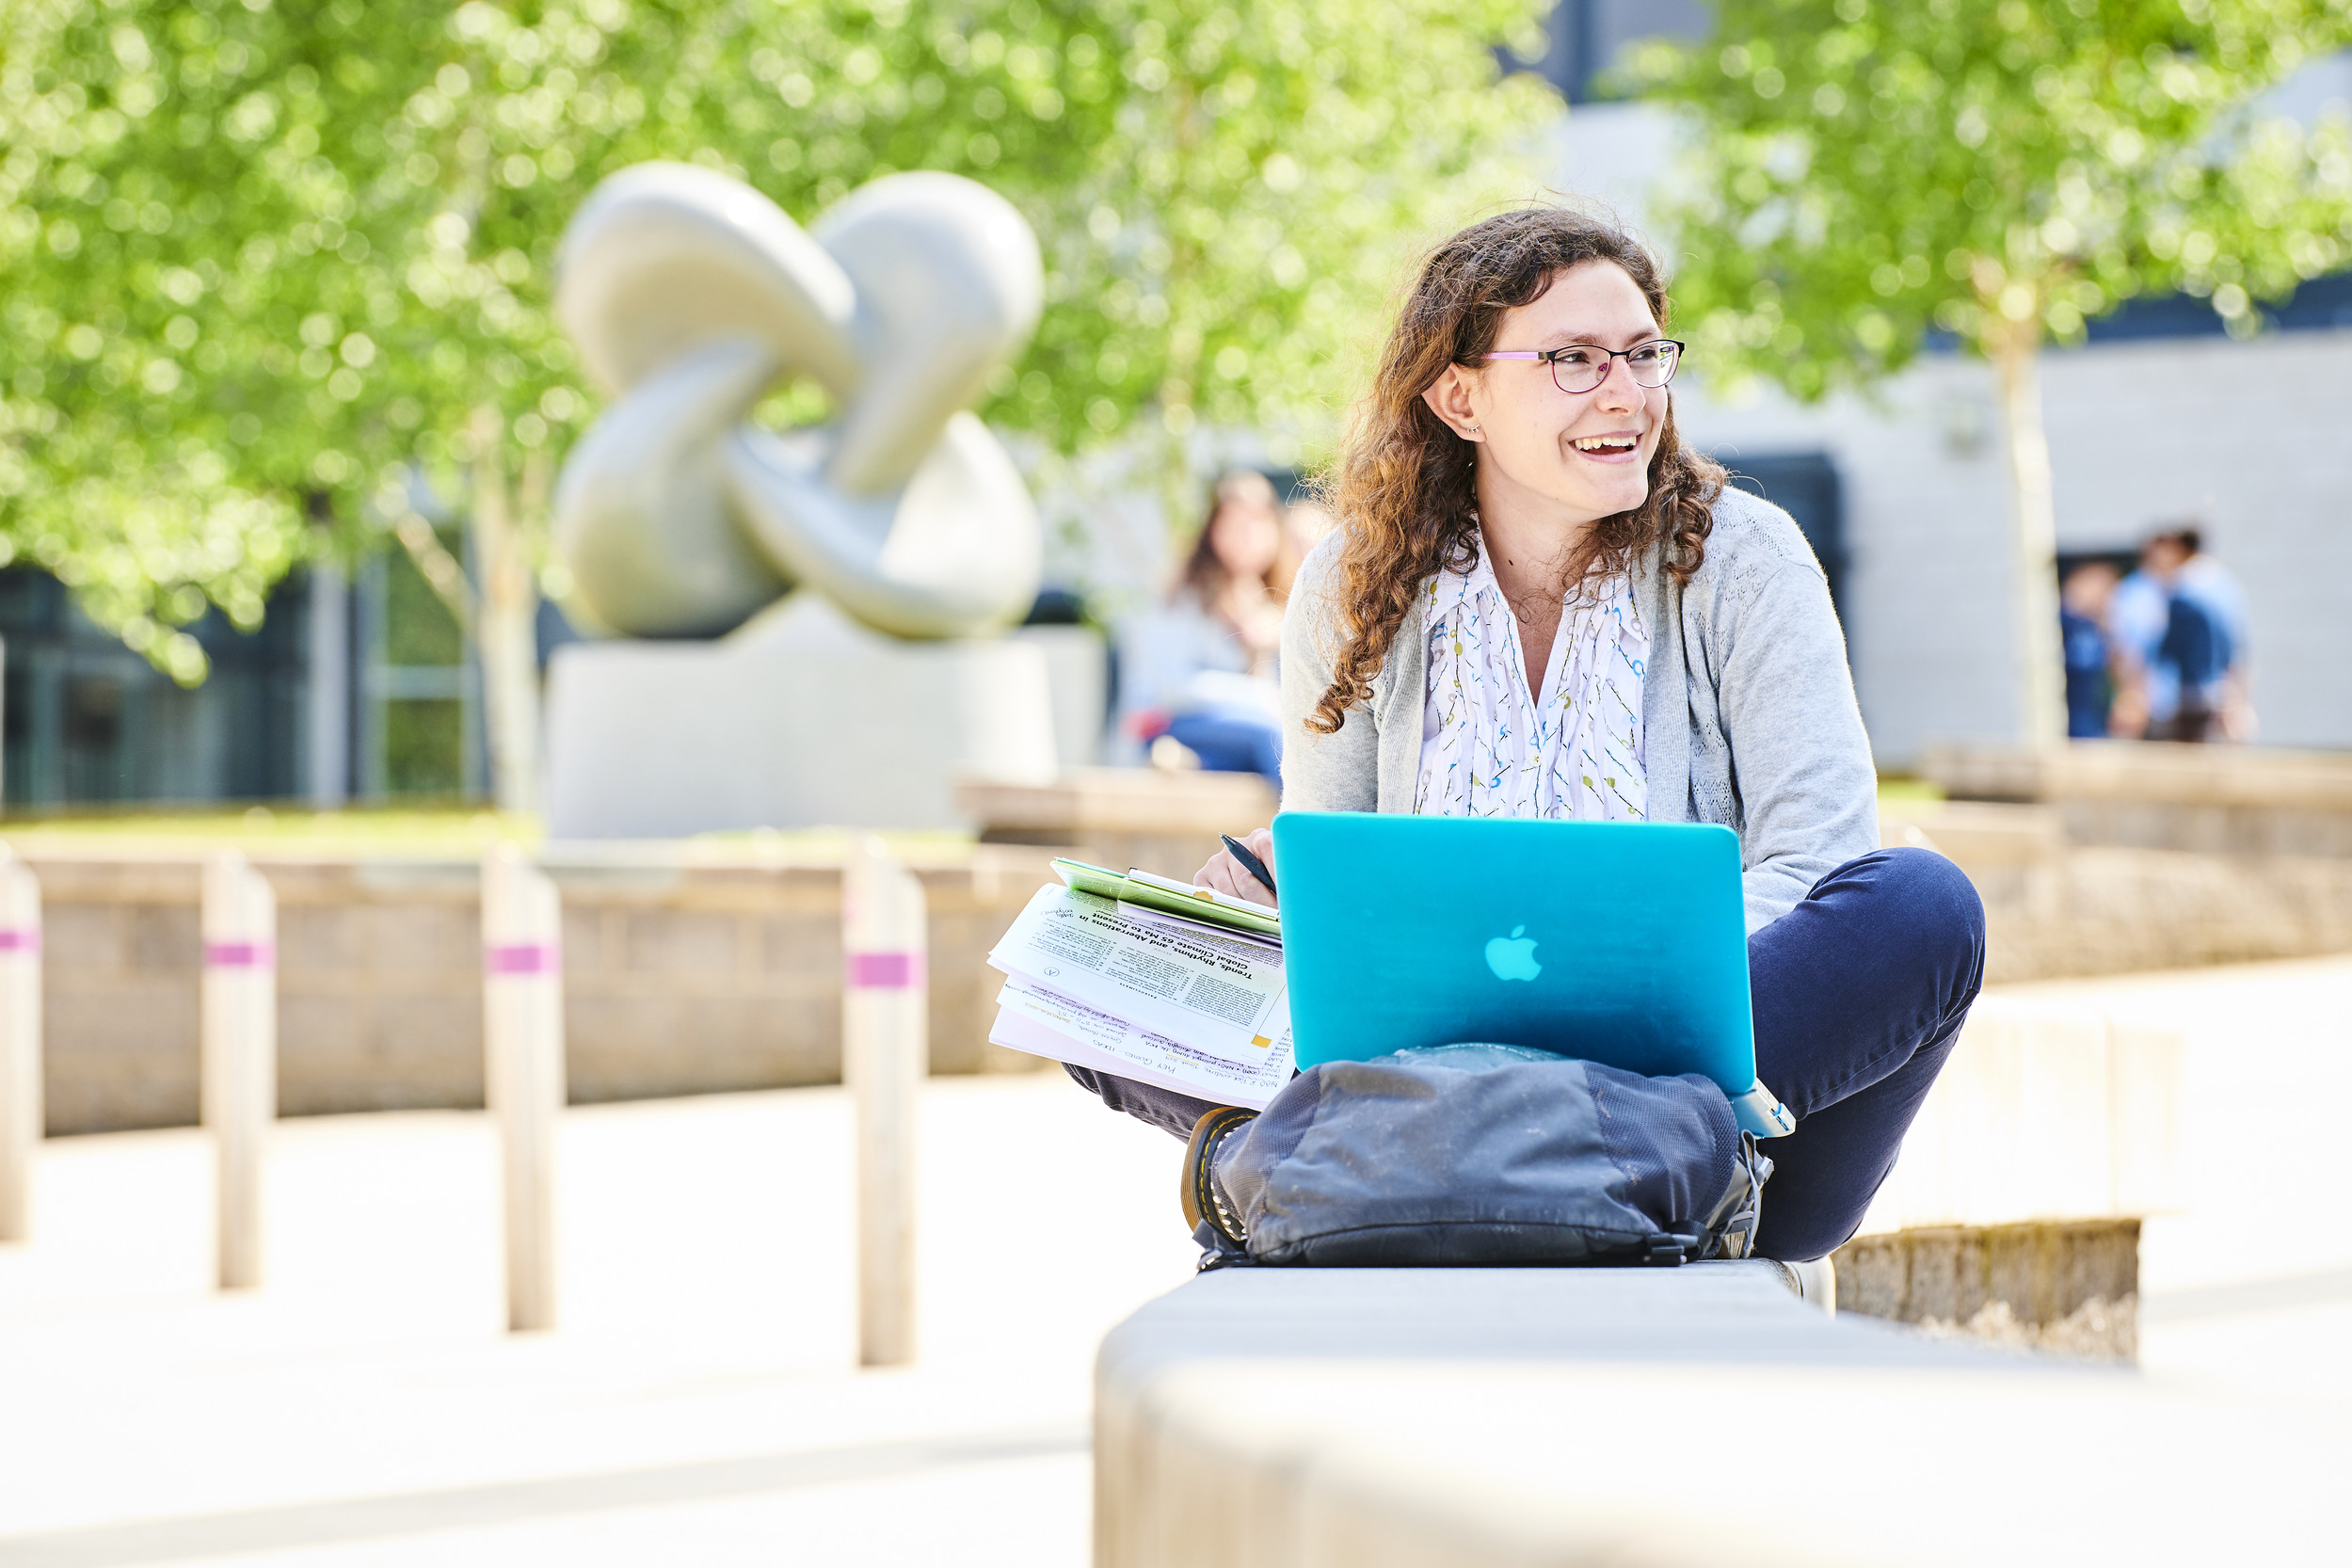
{"x": 2179, "y": 629}
{"x": 2083, "y": 600}
{"x": 2204, "y": 648}
{"x": 2135, "y": 618}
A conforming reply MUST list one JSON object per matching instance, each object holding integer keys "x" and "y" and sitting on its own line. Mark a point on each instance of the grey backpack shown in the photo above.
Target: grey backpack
{"x": 1466, "y": 1155}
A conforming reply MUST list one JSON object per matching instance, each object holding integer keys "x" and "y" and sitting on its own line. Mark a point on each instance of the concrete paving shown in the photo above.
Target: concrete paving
{"x": 699, "y": 1402}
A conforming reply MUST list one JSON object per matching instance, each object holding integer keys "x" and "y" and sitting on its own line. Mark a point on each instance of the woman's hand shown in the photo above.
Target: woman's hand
{"x": 1226, "y": 875}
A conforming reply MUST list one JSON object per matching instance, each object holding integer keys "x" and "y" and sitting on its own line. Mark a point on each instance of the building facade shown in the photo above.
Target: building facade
{"x": 352, "y": 690}
{"x": 2159, "y": 419}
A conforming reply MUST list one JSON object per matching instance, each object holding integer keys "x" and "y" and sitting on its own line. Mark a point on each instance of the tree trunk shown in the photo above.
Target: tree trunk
{"x": 2040, "y": 674}
{"x": 506, "y": 629}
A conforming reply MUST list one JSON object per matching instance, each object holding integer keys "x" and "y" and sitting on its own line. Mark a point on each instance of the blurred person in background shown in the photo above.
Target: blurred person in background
{"x": 2203, "y": 647}
{"x": 2178, "y": 628}
{"x": 2135, "y": 622}
{"x": 2083, "y": 600}
{"x": 1201, "y": 668}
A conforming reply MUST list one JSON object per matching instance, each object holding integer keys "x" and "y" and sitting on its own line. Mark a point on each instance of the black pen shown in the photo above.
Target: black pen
{"x": 1250, "y": 863}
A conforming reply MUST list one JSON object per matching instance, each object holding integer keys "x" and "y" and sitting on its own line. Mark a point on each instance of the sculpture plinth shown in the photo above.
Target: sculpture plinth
{"x": 801, "y": 717}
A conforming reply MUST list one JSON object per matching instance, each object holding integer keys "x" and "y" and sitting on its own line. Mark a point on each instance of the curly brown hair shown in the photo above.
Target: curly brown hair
{"x": 1402, "y": 487}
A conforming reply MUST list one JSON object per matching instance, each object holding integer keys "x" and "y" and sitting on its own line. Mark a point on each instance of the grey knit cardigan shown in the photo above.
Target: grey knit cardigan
{"x": 1748, "y": 710}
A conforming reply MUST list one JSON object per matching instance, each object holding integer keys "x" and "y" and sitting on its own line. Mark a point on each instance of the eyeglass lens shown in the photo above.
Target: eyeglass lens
{"x": 1581, "y": 367}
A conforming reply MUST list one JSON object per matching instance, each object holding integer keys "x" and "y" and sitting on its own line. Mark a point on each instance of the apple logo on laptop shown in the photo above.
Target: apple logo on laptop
{"x": 1513, "y": 958}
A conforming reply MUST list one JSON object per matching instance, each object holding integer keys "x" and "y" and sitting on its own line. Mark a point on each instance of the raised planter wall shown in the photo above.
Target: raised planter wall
{"x": 2058, "y": 903}
{"x": 1145, "y": 819}
{"x": 2132, "y": 794}
{"x": 682, "y": 974}
{"x": 2055, "y": 907}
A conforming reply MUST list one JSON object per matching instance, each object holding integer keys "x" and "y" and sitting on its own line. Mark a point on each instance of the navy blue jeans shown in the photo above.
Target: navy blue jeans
{"x": 1859, "y": 993}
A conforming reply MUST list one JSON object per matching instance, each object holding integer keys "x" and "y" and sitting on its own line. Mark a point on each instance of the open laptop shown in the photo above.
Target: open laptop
{"x": 1623, "y": 943}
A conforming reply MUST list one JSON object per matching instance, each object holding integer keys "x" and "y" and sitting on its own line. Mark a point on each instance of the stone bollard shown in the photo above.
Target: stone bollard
{"x": 884, "y": 1055}
{"x": 239, "y": 1048}
{"x": 523, "y": 1034}
{"x": 20, "y": 1043}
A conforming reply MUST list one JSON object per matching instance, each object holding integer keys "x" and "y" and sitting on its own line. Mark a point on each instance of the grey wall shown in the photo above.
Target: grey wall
{"x": 2249, "y": 437}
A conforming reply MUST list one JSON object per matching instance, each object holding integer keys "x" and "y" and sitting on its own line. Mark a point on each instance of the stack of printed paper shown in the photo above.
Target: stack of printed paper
{"x": 1192, "y": 1001}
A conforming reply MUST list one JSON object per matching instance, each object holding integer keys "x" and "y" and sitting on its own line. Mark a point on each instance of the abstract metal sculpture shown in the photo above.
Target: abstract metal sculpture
{"x": 691, "y": 296}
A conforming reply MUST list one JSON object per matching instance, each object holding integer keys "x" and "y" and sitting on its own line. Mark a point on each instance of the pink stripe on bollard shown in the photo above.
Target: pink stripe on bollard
{"x": 19, "y": 938}
{"x": 885, "y": 972}
{"x": 523, "y": 958}
{"x": 240, "y": 955}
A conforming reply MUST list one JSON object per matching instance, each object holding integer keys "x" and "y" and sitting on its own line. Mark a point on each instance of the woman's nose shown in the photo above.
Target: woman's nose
{"x": 1618, "y": 388}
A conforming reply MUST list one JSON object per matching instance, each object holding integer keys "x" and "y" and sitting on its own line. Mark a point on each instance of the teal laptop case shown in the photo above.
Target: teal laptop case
{"x": 1623, "y": 943}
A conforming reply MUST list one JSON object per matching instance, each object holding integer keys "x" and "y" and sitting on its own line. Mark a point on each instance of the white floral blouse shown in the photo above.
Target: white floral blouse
{"x": 1491, "y": 748}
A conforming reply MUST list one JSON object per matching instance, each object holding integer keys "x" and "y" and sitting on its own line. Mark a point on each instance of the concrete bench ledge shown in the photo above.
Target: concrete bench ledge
{"x": 2149, "y": 772}
{"x": 1697, "y": 1312}
{"x": 2015, "y": 1208}
{"x": 2232, "y": 800}
{"x": 1180, "y": 1483}
{"x": 1975, "y": 834}
{"x": 1130, "y": 799}
{"x": 1150, "y": 818}
{"x": 1458, "y": 1418}
{"x": 1394, "y": 1418}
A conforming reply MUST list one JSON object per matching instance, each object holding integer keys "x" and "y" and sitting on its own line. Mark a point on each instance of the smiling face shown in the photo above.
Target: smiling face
{"x": 1577, "y": 457}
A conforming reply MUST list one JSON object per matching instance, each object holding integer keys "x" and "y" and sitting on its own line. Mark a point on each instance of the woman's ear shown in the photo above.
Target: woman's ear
{"x": 1449, "y": 398}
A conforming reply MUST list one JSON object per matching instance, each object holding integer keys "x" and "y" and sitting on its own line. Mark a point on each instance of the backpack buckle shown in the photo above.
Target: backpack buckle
{"x": 1669, "y": 1251}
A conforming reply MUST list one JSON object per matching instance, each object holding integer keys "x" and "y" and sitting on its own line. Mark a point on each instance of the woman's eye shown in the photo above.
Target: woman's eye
{"x": 1648, "y": 354}
{"x": 1575, "y": 358}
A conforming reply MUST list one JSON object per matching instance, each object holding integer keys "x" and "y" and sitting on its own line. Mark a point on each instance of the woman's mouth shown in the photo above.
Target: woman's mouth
{"x": 1617, "y": 446}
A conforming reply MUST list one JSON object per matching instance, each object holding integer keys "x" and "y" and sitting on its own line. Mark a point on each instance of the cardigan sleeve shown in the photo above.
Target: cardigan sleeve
{"x": 1800, "y": 759}
{"x": 1338, "y": 772}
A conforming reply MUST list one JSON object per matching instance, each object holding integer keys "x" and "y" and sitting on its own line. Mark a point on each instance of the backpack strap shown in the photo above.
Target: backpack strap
{"x": 1730, "y": 1229}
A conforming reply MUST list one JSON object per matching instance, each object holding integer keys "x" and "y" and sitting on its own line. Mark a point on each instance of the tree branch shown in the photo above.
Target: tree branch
{"x": 439, "y": 568}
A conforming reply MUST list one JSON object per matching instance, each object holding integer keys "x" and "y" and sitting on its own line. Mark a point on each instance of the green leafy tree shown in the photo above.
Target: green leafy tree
{"x": 1870, "y": 171}
{"x": 265, "y": 260}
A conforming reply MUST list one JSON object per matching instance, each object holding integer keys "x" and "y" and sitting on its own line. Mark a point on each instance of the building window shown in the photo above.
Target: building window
{"x": 1587, "y": 37}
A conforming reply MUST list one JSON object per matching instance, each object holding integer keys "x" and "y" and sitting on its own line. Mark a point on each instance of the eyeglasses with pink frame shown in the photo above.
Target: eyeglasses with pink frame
{"x": 1581, "y": 367}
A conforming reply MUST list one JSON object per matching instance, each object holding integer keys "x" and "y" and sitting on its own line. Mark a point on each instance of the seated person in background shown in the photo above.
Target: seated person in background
{"x": 1201, "y": 668}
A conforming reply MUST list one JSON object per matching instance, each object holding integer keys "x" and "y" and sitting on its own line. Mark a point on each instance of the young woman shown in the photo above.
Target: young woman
{"x": 1539, "y": 604}
{"x": 1201, "y": 668}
